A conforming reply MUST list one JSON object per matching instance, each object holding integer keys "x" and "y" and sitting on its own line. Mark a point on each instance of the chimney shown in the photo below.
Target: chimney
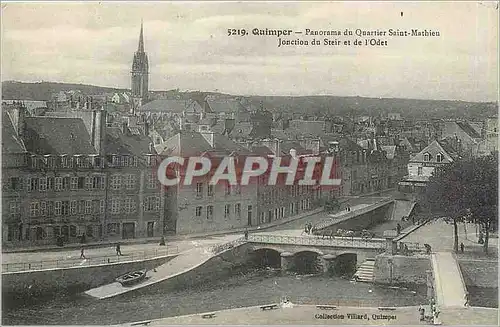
{"x": 209, "y": 137}
{"x": 99, "y": 118}
{"x": 333, "y": 146}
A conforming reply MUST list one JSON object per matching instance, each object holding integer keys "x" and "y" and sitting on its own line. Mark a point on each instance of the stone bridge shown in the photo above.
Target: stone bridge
{"x": 340, "y": 254}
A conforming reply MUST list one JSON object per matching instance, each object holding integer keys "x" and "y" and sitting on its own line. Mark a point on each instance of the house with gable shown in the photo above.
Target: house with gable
{"x": 422, "y": 165}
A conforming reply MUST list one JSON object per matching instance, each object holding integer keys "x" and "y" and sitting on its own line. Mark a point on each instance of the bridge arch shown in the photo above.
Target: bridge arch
{"x": 266, "y": 257}
{"x": 307, "y": 261}
{"x": 345, "y": 264}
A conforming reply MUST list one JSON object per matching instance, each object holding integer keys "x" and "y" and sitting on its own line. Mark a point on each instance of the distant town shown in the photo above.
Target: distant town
{"x": 81, "y": 167}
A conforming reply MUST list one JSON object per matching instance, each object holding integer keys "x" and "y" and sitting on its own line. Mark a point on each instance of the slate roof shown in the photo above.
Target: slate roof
{"x": 225, "y": 105}
{"x": 171, "y": 105}
{"x": 118, "y": 142}
{"x": 11, "y": 143}
{"x": 469, "y": 130}
{"x": 57, "y": 135}
{"x": 433, "y": 149}
{"x": 187, "y": 143}
{"x": 241, "y": 129}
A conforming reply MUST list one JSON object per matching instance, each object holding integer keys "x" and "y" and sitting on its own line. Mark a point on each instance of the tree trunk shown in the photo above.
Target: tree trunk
{"x": 455, "y": 236}
{"x": 486, "y": 238}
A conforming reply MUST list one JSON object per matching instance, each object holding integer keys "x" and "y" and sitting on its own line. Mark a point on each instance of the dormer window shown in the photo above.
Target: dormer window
{"x": 439, "y": 157}
{"x": 427, "y": 157}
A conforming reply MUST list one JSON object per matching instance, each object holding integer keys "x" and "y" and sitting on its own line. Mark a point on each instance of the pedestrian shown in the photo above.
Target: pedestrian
{"x": 466, "y": 298}
{"x": 82, "y": 253}
{"x": 246, "y": 234}
{"x": 462, "y": 247}
{"x": 118, "y": 249}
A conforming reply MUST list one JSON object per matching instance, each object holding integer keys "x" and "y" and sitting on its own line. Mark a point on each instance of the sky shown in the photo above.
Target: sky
{"x": 189, "y": 48}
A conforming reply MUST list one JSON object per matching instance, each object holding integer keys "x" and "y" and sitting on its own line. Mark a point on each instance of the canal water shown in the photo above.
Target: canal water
{"x": 248, "y": 287}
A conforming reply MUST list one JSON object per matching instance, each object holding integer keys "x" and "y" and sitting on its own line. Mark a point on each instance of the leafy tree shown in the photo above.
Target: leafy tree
{"x": 465, "y": 190}
{"x": 330, "y": 206}
{"x": 481, "y": 194}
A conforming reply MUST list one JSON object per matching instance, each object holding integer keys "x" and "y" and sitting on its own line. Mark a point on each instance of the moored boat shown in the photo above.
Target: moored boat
{"x": 132, "y": 278}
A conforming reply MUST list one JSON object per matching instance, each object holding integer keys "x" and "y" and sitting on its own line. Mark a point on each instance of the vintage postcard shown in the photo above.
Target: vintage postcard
{"x": 249, "y": 163}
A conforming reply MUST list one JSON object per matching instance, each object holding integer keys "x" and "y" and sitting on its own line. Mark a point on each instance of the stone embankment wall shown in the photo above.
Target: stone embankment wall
{"x": 480, "y": 273}
{"x": 215, "y": 267}
{"x": 362, "y": 221}
{"x": 34, "y": 283}
{"x": 405, "y": 269}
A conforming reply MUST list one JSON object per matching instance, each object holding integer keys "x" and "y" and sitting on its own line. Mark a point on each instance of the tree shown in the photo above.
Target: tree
{"x": 465, "y": 190}
{"x": 481, "y": 194}
{"x": 330, "y": 206}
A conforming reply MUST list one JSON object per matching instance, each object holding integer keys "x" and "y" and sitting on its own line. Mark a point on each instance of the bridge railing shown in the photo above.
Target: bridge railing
{"x": 338, "y": 241}
{"x": 350, "y": 214}
{"x": 89, "y": 261}
{"x": 216, "y": 249}
{"x": 409, "y": 248}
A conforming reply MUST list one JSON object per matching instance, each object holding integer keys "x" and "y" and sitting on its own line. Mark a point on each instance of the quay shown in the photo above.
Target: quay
{"x": 314, "y": 315}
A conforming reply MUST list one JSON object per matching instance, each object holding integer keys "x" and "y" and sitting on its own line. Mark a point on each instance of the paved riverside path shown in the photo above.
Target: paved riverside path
{"x": 449, "y": 286}
{"x": 183, "y": 262}
{"x": 311, "y": 315}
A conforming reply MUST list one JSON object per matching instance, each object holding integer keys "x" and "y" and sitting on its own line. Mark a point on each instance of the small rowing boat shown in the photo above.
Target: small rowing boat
{"x": 132, "y": 278}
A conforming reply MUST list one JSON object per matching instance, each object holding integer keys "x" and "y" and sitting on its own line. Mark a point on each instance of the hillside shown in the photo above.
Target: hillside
{"x": 343, "y": 106}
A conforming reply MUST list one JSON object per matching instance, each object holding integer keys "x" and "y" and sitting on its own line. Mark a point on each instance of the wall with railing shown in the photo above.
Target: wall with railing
{"x": 356, "y": 218}
{"x": 36, "y": 282}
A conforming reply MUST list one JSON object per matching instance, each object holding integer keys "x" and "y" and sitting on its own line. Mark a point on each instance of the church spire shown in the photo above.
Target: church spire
{"x": 140, "y": 49}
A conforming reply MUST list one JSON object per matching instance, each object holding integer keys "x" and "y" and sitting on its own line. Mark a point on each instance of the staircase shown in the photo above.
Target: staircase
{"x": 365, "y": 271}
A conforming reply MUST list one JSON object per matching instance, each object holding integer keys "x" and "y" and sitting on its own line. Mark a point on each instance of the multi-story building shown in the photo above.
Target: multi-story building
{"x": 423, "y": 164}
{"x": 78, "y": 180}
{"x": 202, "y": 207}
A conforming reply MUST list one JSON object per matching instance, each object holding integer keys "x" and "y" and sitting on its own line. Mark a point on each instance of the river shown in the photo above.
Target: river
{"x": 240, "y": 289}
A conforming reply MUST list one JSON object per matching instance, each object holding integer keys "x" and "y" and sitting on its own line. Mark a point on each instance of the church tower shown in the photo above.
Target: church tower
{"x": 140, "y": 78}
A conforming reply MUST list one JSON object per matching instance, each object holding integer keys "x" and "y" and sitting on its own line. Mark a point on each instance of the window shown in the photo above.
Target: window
{"x": 65, "y": 208}
{"x": 130, "y": 181}
{"x": 50, "y": 183}
{"x": 152, "y": 181}
{"x": 115, "y": 206}
{"x": 227, "y": 211}
{"x": 439, "y": 157}
{"x": 237, "y": 189}
{"x": 427, "y": 157}
{"x": 228, "y": 189}
{"x": 58, "y": 186}
{"x": 198, "y": 211}
{"x": 72, "y": 231}
{"x": 73, "y": 207}
{"x": 151, "y": 203}
{"x": 249, "y": 213}
{"x": 74, "y": 183}
{"x": 15, "y": 183}
{"x": 210, "y": 190}
{"x": 262, "y": 217}
{"x": 113, "y": 228}
{"x": 101, "y": 206}
{"x": 32, "y": 184}
{"x": 57, "y": 206}
{"x": 50, "y": 208}
{"x": 88, "y": 207}
{"x": 129, "y": 205}
{"x": 237, "y": 210}
{"x": 210, "y": 212}
{"x": 15, "y": 208}
{"x": 43, "y": 183}
{"x": 199, "y": 190}
{"x": 116, "y": 182}
{"x": 34, "y": 209}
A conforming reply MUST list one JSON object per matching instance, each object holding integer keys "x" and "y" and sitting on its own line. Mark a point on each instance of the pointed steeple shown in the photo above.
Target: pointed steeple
{"x": 140, "y": 49}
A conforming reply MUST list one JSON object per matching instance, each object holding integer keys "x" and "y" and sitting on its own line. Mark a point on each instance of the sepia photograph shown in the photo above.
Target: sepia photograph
{"x": 249, "y": 163}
